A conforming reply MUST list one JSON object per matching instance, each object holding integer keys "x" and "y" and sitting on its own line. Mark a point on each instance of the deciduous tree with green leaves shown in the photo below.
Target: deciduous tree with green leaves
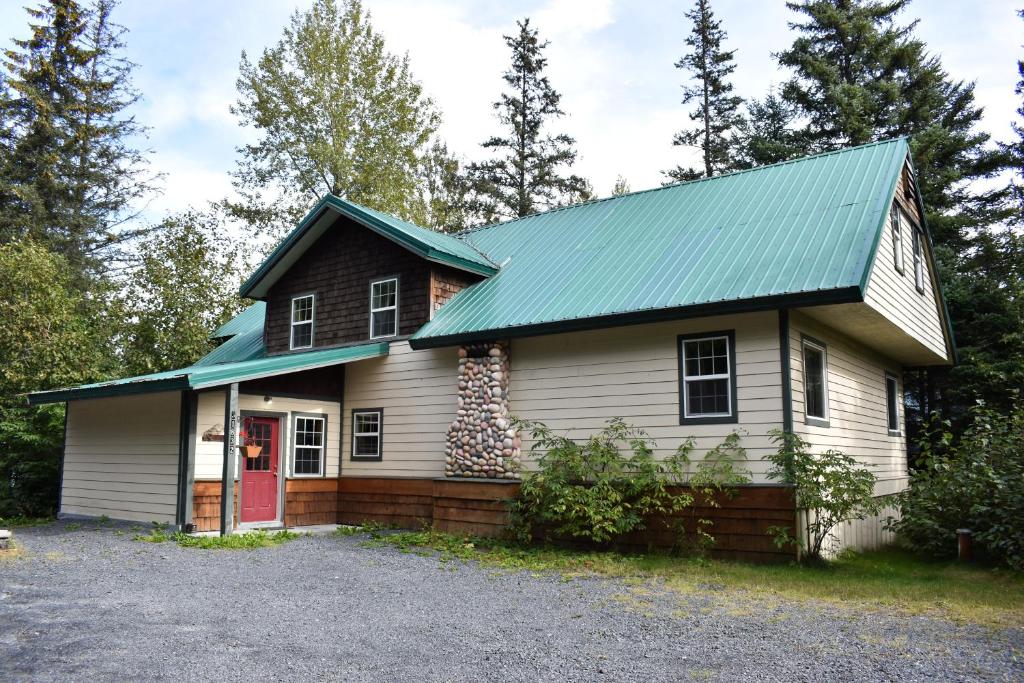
{"x": 334, "y": 112}
{"x": 717, "y": 113}
{"x": 527, "y": 174}
{"x": 45, "y": 342}
{"x": 184, "y": 288}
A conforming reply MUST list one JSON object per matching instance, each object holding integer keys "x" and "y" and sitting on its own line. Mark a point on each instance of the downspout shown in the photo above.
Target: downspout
{"x": 787, "y": 394}
{"x": 63, "y": 450}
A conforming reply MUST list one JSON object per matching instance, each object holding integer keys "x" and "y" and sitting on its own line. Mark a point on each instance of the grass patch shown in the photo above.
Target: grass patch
{"x": 20, "y": 522}
{"x": 250, "y": 540}
{"x": 890, "y": 579}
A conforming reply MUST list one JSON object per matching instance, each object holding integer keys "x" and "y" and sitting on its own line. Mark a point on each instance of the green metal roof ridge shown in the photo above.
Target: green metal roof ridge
{"x": 206, "y": 376}
{"x": 465, "y": 233}
{"x": 408, "y": 235}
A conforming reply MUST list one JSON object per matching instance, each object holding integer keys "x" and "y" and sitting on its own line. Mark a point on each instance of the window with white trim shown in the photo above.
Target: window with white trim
{"x": 815, "y": 382}
{"x": 918, "y": 262}
{"x": 303, "y": 308}
{"x": 367, "y": 428}
{"x": 384, "y": 308}
{"x": 892, "y": 409}
{"x": 896, "y": 225}
{"x": 707, "y": 377}
{"x": 309, "y": 434}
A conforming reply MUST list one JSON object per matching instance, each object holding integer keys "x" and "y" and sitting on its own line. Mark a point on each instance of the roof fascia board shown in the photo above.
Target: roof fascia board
{"x": 378, "y": 350}
{"x": 842, "y": 295}
{"x": 178, "y": 383}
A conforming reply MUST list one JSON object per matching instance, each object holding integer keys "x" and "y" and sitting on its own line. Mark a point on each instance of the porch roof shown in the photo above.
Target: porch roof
{"x": 212, "y": 374}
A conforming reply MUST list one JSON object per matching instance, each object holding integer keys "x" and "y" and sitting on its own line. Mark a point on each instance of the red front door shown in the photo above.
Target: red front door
{"x": 259, "y": 474}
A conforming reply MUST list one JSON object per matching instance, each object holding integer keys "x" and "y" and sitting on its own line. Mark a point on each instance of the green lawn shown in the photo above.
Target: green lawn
{"x": 889, "y": 579}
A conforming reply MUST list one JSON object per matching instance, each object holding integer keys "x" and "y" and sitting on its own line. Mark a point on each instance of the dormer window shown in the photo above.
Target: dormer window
{"x": 303, "y": 308}
{"x": 384, "y": 308}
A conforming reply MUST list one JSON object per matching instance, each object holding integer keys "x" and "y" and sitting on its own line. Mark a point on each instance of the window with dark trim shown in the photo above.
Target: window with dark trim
{"x": 892, "y": 410}
{"x": 896, "y": 225}
{"x": 384, "y": 308}
{"x": 918, "y": 262}
{"x": 367, "y": 433}
{"x": 309, "y": 435}
{"x": 707, "y": 377}
{"x": 303, "y": 309}
{"x": 815, "y": 382}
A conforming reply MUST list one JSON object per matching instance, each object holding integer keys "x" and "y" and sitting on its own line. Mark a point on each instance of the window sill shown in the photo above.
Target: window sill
{"x": 307, "y": 476}
{"x": 711, "y": 420}
{"x": 365, "y": 458}
{"x": 817, "y": 421}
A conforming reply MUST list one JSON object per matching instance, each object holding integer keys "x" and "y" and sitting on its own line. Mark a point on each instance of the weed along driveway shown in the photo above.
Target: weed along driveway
{"x": 91, "y": 603}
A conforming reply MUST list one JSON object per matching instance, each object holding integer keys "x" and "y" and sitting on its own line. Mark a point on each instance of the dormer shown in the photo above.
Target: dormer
{"x": 351, "y": 275}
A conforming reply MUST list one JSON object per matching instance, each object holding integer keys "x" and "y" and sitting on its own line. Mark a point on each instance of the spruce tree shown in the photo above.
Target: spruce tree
{"x": 766, "y": 135}
{"x": 526, "y": 176}
{"x": 717, "y": 113}
{"x": 860, "y": 76}
{"x": 70, "y": 176}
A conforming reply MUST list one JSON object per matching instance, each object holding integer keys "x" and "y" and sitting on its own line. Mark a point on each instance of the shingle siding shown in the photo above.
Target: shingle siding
{"x": 339, "y": 270}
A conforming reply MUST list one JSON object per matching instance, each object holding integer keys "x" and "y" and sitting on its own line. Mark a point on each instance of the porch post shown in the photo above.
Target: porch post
{"x": 186, "y": 458}
{"x": 227, "y": 493}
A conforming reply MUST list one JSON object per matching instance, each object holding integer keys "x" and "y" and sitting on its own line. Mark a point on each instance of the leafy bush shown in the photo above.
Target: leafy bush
{"x": 713, "y": 478}
{"x": 975, "y": 482}
{"x": 592, "y": 490}
{"x": 832, "y": 487}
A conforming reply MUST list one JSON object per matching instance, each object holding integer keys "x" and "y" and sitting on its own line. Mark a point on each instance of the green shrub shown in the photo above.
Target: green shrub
{"x": 831, "y": 487}
{"x": 975, "y": 482}
{"x": 609, "y": 485}
{"x": 592, "y": 490}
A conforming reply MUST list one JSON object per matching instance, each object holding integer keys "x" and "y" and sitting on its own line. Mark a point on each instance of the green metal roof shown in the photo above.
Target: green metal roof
{"x": 240, "y": 358}
{"x": 206, "y": 376}
{"x": 242, "y": 322}
{"x": 429, "y": 244}
{"x": 796, "y": 233}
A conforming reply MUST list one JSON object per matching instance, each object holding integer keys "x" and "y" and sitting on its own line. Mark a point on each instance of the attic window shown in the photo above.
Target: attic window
{"x": 384, "y": 308}
{"x": 918, "y": 262}
{"x": 896, "y": 225}
{"x": 302, "y": 321}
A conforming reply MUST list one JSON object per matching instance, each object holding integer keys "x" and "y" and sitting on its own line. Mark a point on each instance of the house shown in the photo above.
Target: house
{"x": 380, "y": 365}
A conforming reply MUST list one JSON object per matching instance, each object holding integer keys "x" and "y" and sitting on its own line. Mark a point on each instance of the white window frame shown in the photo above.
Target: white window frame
{"x": 895, "y": 407}
{"x": 296, "y": 445}
{"x": 919, "y": 261}
{"x": 822, "y": 348}
{"x": 311, "y": 322}
{"x": 374, "y": 311}
{"x": 687, "y": 378}
{"x": 379, "y": 413}
{"x": 896, "y": 228}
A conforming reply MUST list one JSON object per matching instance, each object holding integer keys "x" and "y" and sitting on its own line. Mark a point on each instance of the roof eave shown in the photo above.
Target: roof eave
{"x": 177, "y": 383}
{"x": 842, "y": 295}
{"x": 367, "y": 221}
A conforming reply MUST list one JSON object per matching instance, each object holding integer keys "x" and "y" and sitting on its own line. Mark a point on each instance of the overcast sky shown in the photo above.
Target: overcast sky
{"x": 612, "y": 62}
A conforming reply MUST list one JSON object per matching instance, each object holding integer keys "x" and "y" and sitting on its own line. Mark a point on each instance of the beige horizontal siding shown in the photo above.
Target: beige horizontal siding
{"x": 896, "y": 297}
{"x": 121, "y": 457}
{"x": 858, "y": 424}
{"x": 576, "y": 382}
{"x": 416, "y": 390}
{"x": 209, "y": 461}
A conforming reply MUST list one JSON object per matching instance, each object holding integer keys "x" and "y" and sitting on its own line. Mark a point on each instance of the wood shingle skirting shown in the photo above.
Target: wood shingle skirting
{"x": 481, "y": 508}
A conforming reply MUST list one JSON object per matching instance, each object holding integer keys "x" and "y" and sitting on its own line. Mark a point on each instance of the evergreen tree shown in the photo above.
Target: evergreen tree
{"x": 766, "y": 135}
{"x": 718, "y": 111}
{"x": 858, "y": 77}
{"x": 526, "y": 175}
{"x": 446, "y": 191}
{"x": 621, "y": 186}
{"x": 70, "y": 177}
{"x": 335, "y": 113}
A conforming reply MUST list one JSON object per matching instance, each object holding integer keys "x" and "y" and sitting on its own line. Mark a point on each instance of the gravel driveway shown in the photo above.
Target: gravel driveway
{"x": 95, "y": 605}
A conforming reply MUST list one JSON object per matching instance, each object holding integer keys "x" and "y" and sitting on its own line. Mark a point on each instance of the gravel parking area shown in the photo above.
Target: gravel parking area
{"x": 93, "y": 604}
